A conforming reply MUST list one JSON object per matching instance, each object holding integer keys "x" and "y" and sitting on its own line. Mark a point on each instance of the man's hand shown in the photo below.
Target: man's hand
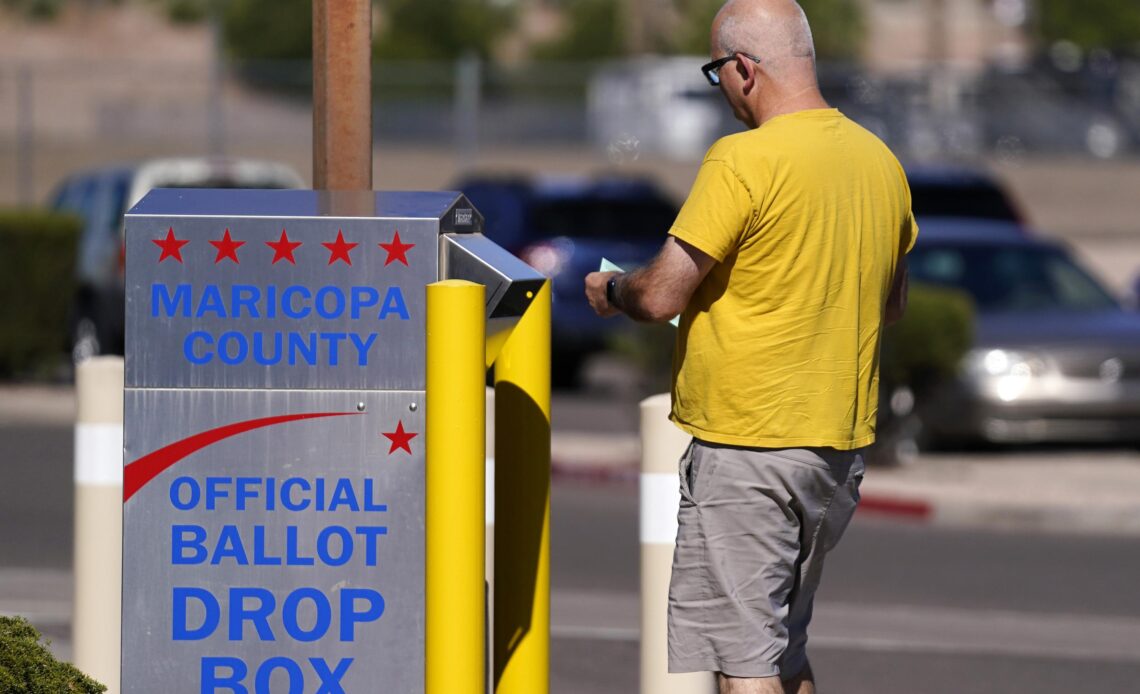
{"x": 596, "y": 293}
{"x": 657, "y": 292}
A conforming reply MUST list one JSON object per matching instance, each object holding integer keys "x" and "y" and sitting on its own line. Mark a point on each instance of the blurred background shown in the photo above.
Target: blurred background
{"x": 1007, "y": 471}
{"x": 562, "y": 118}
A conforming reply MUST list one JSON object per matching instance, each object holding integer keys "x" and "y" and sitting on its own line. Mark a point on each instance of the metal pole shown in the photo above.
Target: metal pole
{"x": 454, "y": 629}
{"x": 342, "y": 94}
{"x": 661, "y": 446}
{"x": 636, "y": 26}
{"x": 98, "y": 518}
{"x": 216, "y": 126}
{"x": 468, "y": 85}
{"x": 24, "y": 136}
{"x": 521, "y": 643}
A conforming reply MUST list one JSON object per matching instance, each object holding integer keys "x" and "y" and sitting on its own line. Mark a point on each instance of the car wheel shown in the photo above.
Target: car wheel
{"x": 88, "y": 335}
{"x": 566, "y": 368}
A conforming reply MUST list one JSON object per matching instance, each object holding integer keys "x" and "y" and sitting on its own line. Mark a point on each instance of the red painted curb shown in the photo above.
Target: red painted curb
{"x": 889, "y": 506}
{"x": 596, "y": 473}
{"x": 870, "y": 504}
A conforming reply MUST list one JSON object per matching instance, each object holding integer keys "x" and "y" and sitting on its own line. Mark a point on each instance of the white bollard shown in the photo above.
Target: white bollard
{"x": 662, "y": 444}
{"x": 95, "y": 624}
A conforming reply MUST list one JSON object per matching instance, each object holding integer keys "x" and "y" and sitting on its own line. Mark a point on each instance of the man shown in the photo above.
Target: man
{"x": 785, "y": 263}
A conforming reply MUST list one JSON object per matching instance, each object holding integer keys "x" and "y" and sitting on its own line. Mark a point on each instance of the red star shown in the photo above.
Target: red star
{"x": 171, "y": 247}
{"x": 399, "y": 438}
{"x": 227, "y": 248}
{"x": 283, "y": 248}
{"x": 397, "y": 250}
{"x": 338, "y": 250}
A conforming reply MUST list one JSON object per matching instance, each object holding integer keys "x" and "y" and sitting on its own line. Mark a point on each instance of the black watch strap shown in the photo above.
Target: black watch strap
{"x": 611, "y": 291}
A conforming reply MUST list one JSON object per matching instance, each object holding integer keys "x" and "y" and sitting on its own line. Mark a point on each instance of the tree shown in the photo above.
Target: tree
{"x": 595, "y": 31}
{"x": 1112, "y": 24}
{"x": 440, "y": 29}
{"x": 837, "y": 27}
{"x": 268, "y": 29}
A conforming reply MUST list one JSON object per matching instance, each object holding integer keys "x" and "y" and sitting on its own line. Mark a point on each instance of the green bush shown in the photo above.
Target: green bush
{"x": 927, "y": 345}
{"x": 37, "y": 269}
{"x": 27, "y": 667}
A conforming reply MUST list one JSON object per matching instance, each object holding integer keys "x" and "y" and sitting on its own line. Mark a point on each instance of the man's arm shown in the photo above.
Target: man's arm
{"x": 656, "y": 292}
{"x": 896, "y": 301}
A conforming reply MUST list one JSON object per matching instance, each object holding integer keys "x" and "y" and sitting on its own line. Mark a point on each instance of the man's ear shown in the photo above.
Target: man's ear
{"x": 747, "y": 70}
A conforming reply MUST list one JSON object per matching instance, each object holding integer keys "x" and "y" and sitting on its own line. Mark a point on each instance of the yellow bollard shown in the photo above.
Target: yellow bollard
{"x": 454, "y": 629}
{"x": 521, "y": 641}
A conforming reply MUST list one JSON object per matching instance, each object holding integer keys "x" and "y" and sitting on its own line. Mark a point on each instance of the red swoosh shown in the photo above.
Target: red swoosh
{"x": 137, "y": 474}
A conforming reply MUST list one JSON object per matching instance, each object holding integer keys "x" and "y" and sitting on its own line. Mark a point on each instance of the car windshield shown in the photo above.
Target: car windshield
{"x": 960, "y": 200}
{"x": 1013, "y": 278}
{"x": 598, "y": 218}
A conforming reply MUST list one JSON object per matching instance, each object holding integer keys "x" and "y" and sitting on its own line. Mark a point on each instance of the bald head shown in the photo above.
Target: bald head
{"x": 775, "y": 30}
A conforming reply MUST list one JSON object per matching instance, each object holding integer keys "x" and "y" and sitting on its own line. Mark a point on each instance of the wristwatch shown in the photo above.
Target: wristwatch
{"x": 611, "y": 289}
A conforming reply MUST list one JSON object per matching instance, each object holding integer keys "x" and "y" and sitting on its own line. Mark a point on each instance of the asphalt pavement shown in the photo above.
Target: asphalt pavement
{"x": 904, "y": 608}
{"x": 994, "y": 572}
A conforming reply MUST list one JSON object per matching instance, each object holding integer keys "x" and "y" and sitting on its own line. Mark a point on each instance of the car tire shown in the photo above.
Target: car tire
{"x": 566, "y": 368}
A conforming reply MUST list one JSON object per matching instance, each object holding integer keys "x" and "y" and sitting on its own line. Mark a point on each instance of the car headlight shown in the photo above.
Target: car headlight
{"x": 1008, "y": 371}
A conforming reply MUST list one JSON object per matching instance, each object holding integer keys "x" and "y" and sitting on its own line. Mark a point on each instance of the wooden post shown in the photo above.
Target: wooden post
{"x": 342, "y": 94}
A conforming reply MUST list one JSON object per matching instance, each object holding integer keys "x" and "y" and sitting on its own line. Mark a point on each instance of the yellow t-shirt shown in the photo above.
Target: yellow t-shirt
{"x": 807, "y": 216}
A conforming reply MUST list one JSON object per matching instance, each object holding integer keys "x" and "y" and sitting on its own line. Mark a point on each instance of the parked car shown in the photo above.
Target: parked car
{"x": 1029, "y": 110}
{"x": 960, "y": 192}
{"x": 1055, "y": 356}
{"x": 563, "y": 227}
{"x": 101, "y": 197}
{"x": 656, "y": 104}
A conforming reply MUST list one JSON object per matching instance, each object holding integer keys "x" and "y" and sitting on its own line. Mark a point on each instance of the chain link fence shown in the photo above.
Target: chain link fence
{"x": 658, "y": 106}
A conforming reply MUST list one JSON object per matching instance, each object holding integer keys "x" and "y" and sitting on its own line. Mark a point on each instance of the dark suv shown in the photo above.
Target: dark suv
{"x": 563, "y": 227}
{"x": 101, "y": 197}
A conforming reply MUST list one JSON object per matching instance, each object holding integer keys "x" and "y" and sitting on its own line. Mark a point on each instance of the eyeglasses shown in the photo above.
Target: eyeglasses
{"x": 712, "y": 70}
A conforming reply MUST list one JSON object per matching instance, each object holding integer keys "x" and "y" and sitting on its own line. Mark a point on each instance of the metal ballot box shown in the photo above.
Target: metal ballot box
{"x": 273, "y": 519}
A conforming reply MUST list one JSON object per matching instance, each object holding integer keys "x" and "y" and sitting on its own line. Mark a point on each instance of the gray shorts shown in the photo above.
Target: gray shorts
{"x": 754, "y": 527}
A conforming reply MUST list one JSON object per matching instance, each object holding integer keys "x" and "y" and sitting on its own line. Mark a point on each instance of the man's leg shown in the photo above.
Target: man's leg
{"x": 803, "y": 683}
{"x": 748, "y": 685}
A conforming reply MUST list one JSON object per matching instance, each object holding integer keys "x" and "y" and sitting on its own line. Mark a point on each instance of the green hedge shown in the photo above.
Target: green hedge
{"x": 37, "y": 270}
{"x": 928, "y": 344}
{"x": 28, "y": 667}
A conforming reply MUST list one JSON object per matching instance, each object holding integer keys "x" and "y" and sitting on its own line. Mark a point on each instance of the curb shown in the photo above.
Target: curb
{"x": 624, "y": 473}
{"x": 628, "y": 473}
{"x": 877, "y": 505}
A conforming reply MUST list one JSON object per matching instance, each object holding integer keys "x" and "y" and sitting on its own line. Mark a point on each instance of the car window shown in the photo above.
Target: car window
{"x": 1010, "y": 278}
{"x": 115, "y": 203}
{"x": 77, "y": 197}
{"x": 86, "y": 202}
{"x": 973, "y": 200}
{"x": 64, "y": 197}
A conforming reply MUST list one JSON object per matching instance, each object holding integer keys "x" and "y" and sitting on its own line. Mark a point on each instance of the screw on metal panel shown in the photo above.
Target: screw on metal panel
{"x": 360, "y": 407}
{"x": 413, "y": 407}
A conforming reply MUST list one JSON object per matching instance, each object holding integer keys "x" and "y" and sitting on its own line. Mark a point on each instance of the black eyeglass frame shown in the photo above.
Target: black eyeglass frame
{"x": 712, "y": 70}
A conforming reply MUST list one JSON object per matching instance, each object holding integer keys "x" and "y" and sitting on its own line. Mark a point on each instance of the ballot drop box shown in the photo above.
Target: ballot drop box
{"x": 274, "y": 433}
